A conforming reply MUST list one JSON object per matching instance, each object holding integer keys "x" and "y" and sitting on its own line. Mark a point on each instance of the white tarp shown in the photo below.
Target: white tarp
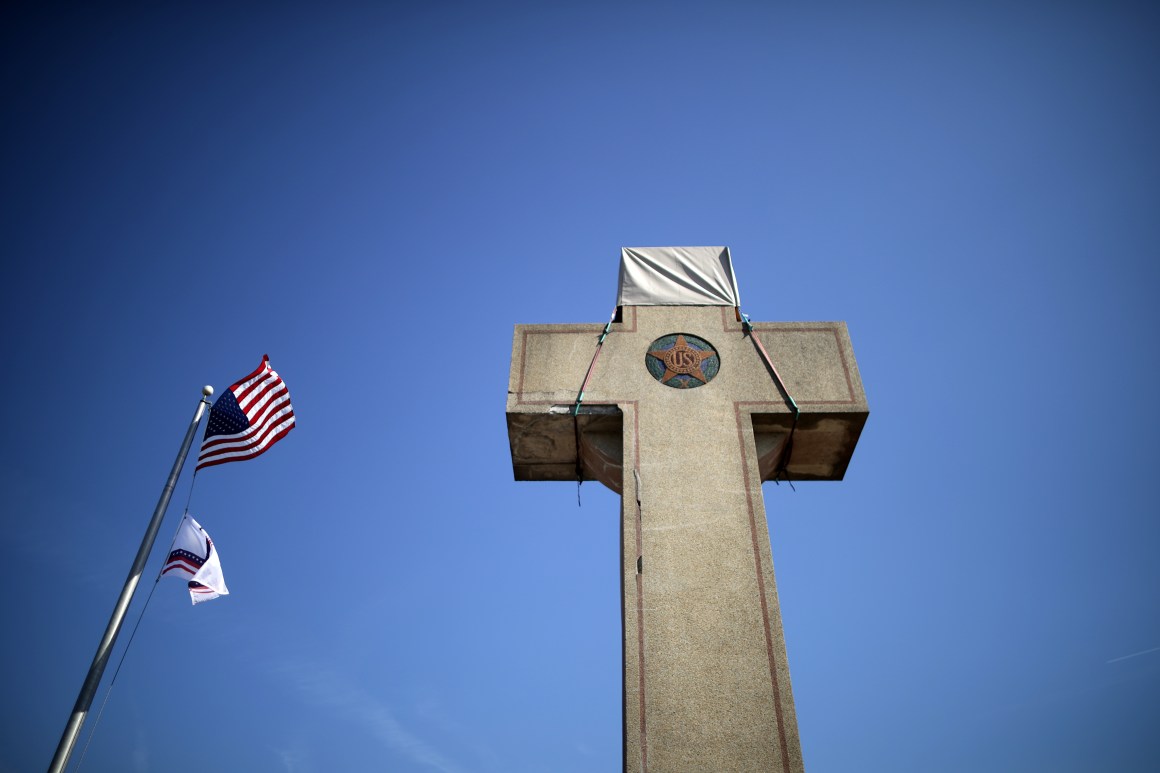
{"x": 677, "y": 276}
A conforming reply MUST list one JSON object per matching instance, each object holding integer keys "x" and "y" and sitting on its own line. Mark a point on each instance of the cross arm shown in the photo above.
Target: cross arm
{"x": 815, "y": 362}
{"x": 550, "y": 439}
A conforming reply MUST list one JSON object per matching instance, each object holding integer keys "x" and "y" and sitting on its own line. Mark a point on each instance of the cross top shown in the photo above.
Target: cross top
{"x": 677, "y": 276}
{"x": 684, "y": 407}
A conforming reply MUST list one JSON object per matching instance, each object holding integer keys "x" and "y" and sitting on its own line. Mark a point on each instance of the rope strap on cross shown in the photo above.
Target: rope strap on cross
{"x": 747, "y": 326}
{"x": 580, "y": 399}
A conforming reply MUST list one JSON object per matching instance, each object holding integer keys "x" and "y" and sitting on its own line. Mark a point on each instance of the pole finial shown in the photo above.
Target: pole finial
{"x": 207, "y": 390}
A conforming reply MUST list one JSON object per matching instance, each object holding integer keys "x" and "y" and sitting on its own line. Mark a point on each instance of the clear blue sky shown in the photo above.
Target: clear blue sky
{"x": 374, "y": 194}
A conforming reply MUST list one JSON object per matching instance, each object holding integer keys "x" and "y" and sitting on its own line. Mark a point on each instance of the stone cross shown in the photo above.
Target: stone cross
{"x": 684, "y": 417}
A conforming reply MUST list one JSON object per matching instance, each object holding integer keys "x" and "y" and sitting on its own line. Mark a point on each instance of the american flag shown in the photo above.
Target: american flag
{"x": 194, "y": 556}
{"x": 247, "y": 419}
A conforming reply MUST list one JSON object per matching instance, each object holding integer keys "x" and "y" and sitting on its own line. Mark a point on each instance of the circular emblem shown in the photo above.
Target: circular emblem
{"x": 682, "y": 361}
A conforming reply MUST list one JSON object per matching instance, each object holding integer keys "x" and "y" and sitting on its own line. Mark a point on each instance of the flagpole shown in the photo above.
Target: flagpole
{"x": 104, "y": 650}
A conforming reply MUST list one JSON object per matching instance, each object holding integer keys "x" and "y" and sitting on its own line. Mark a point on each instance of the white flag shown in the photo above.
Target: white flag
{"x": 194, "y": 557}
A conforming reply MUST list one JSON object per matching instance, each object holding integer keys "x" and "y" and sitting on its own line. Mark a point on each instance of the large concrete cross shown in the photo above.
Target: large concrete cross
{"x": 682, "y": 416}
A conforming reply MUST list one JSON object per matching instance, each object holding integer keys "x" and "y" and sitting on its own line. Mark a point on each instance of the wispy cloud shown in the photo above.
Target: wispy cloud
{"x": 140, "y": 751}
{"x": 293, "y": 760}
{"x": 431, "y": 710}
{"x": 1134, "y": 655}
{"x": 331, "y": 690}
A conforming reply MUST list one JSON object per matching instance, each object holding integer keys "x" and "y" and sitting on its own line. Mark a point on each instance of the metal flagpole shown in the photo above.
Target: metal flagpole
{"x": 93, "y": 680}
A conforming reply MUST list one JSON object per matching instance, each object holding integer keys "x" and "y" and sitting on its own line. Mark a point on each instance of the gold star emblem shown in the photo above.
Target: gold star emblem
{"x": 681, "y": 359}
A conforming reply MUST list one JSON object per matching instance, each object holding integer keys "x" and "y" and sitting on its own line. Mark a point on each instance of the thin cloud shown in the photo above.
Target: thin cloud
{"x": 331, "y": 690}
{"x": 140, "y": 751}
{"x": 293, "y": 760}
{"x": 1134, "y": 655}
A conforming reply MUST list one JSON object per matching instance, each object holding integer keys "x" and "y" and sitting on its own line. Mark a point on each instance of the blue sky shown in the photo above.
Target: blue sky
{"x": 373, "y": 194}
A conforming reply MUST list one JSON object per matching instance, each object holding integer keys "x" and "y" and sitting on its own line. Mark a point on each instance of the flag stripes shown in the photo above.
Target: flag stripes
{"x": 183, "y": 562}
{"x": 249, "y": 417}
{"x": 197, "y": 587}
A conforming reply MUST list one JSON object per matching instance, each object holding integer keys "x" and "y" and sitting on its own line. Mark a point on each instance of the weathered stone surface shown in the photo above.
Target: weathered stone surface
{"x": 706, "y": 685}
